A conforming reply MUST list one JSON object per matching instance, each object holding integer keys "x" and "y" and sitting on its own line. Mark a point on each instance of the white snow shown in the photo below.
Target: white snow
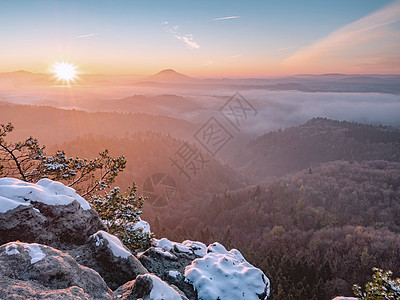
{"x": 35, "y": 252}
{"x": 173, "y": 273}
{"x": 14, "y": 192}
{"x": 9, "y": 204}
{"x": 198, "y": 248}
{"x": 12, "y": 250}
{"x": 165, "y": 253}
{"x": 187, "y": 246}
{"x": 114, "y": 244}
{"x": 161, "y": 290}
{"x": 181, "y": 248}
{"x": 225, "y": 275}
{"x": 141, "y": 226}
{"x": 164, "y": 243}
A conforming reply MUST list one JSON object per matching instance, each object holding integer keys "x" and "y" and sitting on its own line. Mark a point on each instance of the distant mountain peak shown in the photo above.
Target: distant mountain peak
{"x": 171, "y": 71}
{"x": 169, "y": 75}
{"x": 23, "y": 71}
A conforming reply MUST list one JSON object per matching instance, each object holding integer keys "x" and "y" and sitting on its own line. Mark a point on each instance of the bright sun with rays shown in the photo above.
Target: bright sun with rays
{"x": 65, "y": 72}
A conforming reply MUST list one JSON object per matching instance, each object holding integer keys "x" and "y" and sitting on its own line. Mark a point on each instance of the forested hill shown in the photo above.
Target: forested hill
{"x": 317, "y": 141}
{"x": 315, "y": 233}
{"x": 68, "y": 124}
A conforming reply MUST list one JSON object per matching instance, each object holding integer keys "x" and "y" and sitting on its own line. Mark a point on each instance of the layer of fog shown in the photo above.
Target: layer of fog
{"x": 283, "y": 109}
{"x": 275, "y": 109}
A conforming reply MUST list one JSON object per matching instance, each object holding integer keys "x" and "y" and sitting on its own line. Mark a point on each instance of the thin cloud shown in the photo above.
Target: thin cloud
{"x": 234, "y": 56}
{"x": 88, "y": 35}
{"x": 286, "y": 48}
{"x": 165, "y": 23}
{"x": 352, "y": 48}
{"x": 186, "y": 38}
{"x": 226, "y": 18}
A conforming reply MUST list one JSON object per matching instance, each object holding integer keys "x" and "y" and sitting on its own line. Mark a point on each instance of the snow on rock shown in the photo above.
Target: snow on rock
{"x": 9, "y": 204}
{"x": 165, "y": 253}
{"x": 34, "y": 250}
{"x": 14, "y": 192}
{"x": 106, "y": 254}
{"x": 161, "y": 290}
{"x": 173, "y": 273}
{"x": 142, "y": 226}
{"x": 12, "y": 250}
{"x": 47, "y": 213}
{"x": 113, "y": 243}
{"x": 33, "y": 271}
{"x": 187, "y": 246}
{"x": 164, "y": 243}
{"x": 226, "y": 275}
{"x": 198, "y": 248}
{"x": 149, "y": 287}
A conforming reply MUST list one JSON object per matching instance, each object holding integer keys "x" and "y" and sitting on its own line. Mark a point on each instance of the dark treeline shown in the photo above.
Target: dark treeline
{"x": 318, "y": 140}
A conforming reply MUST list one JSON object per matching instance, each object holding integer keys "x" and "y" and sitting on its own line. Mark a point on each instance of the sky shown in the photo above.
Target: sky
{"x": 234, "y": 38}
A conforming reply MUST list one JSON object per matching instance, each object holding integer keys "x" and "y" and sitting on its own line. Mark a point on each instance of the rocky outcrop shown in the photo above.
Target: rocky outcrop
{"x": 63, "y": 251}
{"x": 168, "y": 260}
{"x": 203, "y": 272}
{"x": 223, "y": 274}
{"x": 52, "y": 214}
{"x": 34, "y": 271}
{"x": 148, "y": 287}
{"x": 48, "y": 213}
{"x": 104, "y": 253}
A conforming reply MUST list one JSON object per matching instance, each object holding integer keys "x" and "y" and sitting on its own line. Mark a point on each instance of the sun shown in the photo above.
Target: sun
{"x": 65, "y": 72}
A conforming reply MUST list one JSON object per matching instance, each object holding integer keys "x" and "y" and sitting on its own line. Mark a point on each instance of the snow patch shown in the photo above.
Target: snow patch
{"x": 142, "y": 226}
{"x": 161, "y": 290}
{"x": 165, "y": 253}
{"x": 226, "y": 275}
{"x": 35, "y": 252}
{"x": 14, "y": 192}
{"x": 12, "y": 250}
{"x": 164, "y": 243}
{"x": 9, "y": 204}
{"x": 174, "y": 273}
{"x": 187, "y": 246}
{"x": 114, "y": 244}
{"x": 198, "y": 248}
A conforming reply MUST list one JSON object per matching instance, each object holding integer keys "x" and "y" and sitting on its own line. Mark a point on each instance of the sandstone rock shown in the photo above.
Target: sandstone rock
{"x": 223, "y": 274}
{"x": 149, "y": 287}
{"x": 168, "y": 260}
{"x": 206, "y": 272}
{"x": 33, "y": 271}
{"x": 105, "y": 253}
{"x": 47, "y": 213}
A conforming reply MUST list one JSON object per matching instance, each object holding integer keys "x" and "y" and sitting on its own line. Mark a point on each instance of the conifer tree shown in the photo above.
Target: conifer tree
{"x": 382, "y": 287}
{"x": 120, "y": 211}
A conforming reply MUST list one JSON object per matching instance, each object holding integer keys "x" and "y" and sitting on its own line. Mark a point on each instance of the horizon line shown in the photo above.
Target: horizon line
{"x": 217, "y": 76}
